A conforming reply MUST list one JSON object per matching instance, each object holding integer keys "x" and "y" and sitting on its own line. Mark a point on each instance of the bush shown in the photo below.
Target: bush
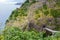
{"x": 16, "y": 34}
{"x": 13, "y": 33}
{"x": 1, "y": 37}
{"x": 55, "y": 13}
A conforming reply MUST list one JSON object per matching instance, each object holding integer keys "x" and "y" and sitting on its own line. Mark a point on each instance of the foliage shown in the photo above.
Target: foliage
{"x": 56, "y": 36}
{"x": 16, "y": 34}
{"x": 58, "y": 3}
{"x": 1, "y": 37}
{"x": 13, "y": 33}
{"x": 22, "y": 10}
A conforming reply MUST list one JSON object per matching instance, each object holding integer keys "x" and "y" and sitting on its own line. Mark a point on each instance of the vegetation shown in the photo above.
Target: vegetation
{"x": 42, "y": 16}
{"x": 1, "y": 37}
{"x": 22, "y": 10}
{"x": 13, "y": 33}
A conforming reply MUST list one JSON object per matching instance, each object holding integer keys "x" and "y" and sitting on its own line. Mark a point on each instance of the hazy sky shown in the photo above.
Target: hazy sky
{"x": 3, "y": 1}
{"x": 11, "y": 1}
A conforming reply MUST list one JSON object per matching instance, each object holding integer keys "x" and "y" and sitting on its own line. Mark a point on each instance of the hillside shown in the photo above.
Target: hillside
{"x": 34, "y": 20}
{"x": 34, "y": 14}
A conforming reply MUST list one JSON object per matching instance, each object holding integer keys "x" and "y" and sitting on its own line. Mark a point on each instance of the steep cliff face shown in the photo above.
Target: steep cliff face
{"x": 36, "y": 13}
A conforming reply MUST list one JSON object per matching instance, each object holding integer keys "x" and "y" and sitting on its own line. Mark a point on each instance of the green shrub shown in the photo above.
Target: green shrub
{"x": 55, "y": 13}
{"x": 16, "y": 34}
{"x": 58, "y": 2}
{"x": 13, "y": 33}
{"x": 1, "y": 37}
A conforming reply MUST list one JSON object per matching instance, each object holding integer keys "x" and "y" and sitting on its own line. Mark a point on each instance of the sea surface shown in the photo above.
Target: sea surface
{"x": 5, "y": 11}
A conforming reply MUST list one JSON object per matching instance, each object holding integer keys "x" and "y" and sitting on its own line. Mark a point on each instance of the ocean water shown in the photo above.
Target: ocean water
{"x": 5, "y": 12}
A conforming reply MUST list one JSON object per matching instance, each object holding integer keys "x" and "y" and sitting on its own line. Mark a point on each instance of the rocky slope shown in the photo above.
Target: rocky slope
{"x": 35, "y": 14}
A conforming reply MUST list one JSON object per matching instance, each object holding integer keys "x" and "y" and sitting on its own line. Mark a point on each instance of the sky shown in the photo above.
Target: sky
{"x": 4, "y": 1}
{"x": 10, "y": 1}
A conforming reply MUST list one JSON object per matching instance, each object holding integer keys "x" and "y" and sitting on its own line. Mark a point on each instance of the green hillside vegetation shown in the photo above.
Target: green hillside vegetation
{"x": 26, "y": 22}
{"x": 22, "y": 10}
{"x": 22, "y": 14}
{"x": 14, "y": 33}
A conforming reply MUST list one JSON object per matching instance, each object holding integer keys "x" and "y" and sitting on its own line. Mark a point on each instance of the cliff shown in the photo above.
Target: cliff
{"x": 35, "y": 14}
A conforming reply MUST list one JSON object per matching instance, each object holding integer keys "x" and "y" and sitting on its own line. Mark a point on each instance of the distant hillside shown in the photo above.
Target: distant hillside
{"x": 18, "y": 3}
{"x": 34, "y": 14}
